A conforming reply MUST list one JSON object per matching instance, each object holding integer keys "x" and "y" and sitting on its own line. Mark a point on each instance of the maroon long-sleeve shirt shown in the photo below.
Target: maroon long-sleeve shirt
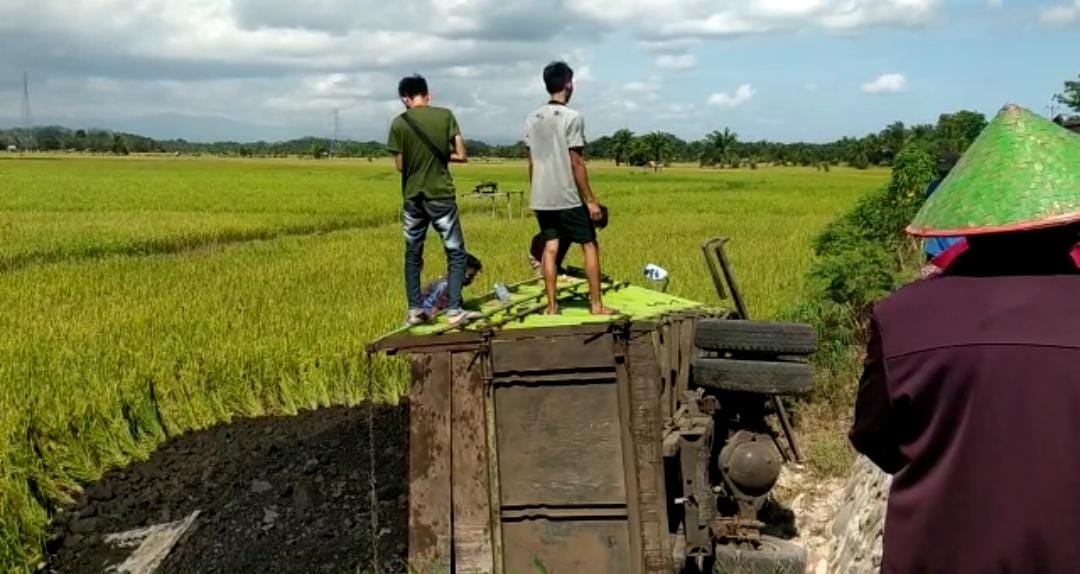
{"x": 971, "y": 398}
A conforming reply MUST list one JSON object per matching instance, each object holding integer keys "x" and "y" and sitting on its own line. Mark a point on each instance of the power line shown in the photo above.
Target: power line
{"x": 27, "y": 114}
{"x": 337, "y": 128}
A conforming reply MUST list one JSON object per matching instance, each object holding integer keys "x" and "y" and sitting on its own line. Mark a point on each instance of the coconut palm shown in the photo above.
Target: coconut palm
{"x": 658, "y": 146}
{"x": 622, "y": 143}
{"x": 719, "y": 147}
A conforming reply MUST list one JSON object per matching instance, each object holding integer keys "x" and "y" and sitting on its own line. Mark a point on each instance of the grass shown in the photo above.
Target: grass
{"x": 144, "y": 297}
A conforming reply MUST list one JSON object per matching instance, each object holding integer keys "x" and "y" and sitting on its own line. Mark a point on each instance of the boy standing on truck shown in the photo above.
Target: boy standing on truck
{"x": 560, "y": 193}
{"x": 424, "y": 141}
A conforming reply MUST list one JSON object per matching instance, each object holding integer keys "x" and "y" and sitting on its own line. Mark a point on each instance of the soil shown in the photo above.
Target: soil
{"x": 275, "y": 495}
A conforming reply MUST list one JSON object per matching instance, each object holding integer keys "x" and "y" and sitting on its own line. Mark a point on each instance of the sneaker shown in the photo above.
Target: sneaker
{"x": 416, "y": 317}
{"x": 460, "y": 317}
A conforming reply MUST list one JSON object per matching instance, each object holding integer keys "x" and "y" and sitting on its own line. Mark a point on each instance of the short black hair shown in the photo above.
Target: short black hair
{"x": 556, "y": 76}
{"x": 412, "y": 86}
{"x": 472, "y": 262}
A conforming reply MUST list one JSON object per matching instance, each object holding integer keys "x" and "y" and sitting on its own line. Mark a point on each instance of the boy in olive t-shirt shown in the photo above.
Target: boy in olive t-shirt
{"x": 424, "y": 139}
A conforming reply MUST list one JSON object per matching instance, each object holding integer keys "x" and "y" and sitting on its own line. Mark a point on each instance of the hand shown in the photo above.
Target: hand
{"x": 594, "y": 211}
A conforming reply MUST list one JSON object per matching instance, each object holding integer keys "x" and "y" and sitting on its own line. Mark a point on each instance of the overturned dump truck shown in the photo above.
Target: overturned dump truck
{"x": 643, "y": 443}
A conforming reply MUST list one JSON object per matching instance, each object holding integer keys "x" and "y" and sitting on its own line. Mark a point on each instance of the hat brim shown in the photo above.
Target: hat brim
{"x": 1042, "y": 223}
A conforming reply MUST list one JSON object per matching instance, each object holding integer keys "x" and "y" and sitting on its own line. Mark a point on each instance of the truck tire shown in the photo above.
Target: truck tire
{"x": 772, "y": 556}
{"x": 755, "y": 337}
{"x": 765, "y": 377}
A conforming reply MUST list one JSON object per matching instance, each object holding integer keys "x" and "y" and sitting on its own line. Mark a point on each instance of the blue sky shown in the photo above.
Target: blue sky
{"x": 786, "y": 70}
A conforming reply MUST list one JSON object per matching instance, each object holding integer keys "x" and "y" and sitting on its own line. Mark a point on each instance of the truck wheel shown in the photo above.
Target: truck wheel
{"x": 772, "y": 556}
{"x": 755, "y": 337}
{"x": 766, "y": 377}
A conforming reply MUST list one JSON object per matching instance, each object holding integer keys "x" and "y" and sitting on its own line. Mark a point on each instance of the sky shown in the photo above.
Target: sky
{"x": 784, "y": 70}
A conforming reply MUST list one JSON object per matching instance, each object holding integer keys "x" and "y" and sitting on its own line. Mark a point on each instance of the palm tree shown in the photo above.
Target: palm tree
{"x": 658, "y": 145}
{"x": 719, "y": 147}
{"x": 622, "y": 142}
{"x": 894, "y": 138}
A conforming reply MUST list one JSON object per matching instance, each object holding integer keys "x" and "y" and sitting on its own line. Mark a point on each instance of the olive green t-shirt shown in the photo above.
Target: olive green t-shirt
{"x": 422, "y": 172}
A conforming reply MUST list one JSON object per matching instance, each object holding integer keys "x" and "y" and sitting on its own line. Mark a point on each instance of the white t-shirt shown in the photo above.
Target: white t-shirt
{"x": 550, "y": 132}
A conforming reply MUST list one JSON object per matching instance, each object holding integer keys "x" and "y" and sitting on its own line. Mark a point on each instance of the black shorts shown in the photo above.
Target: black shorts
{"x": 570, "y": 225}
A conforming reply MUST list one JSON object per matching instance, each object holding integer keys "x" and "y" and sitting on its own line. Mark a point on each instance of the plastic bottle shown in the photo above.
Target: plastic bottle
{"x": 502, "y": 293}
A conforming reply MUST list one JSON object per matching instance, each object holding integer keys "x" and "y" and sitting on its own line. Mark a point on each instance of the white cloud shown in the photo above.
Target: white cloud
{"x": 287, "y": 63}
{"x": 995, "y": 3}
{"x": 742, "y": 94}
{"x": 675, "y": 61}
{"x": 675, "y": 111}
{"x": 1061, "y": 15}
{"x": 640, "y": 87}
{"x": 810, "y": 87}
{"x": 886, "y": 84}
{"x": 664, "y": 19}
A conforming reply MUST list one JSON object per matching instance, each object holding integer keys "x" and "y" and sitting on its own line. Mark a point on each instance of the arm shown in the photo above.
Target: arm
{"x": 459, "y": 155}
{"x": 581, "y": 175}
{"x": 874, "y": 431}
{"x": 435, "y": 297}
{"x": 575, "y": 139}
{"x": 393, "y": 144}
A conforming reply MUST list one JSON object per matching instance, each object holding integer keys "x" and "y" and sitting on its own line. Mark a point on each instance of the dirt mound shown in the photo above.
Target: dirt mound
{"x": 273, "y": 495}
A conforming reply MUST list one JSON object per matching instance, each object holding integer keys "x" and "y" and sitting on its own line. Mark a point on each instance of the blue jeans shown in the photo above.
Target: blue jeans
{"x": 442, "y": 214}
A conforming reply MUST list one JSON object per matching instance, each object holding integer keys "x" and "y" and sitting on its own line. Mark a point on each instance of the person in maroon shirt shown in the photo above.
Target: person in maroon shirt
{"x": 970, "y": 394}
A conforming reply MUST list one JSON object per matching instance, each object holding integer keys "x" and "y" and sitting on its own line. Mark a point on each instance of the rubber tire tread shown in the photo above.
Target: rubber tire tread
{"x": 755, "y": 336}
{"x": 764, "y": 377}
{"x": 775, "y": 556}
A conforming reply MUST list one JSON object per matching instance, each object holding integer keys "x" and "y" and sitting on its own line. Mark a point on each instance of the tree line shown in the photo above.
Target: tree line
{"x": 721, "y": 148}
{"x": 57, "y": 138}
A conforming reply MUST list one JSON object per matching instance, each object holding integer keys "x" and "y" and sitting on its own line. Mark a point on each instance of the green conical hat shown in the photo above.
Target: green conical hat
{"x": 1021, "y": 173}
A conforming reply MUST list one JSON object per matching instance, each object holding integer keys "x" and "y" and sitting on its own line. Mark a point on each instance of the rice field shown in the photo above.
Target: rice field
{"x": 144, "y": 297}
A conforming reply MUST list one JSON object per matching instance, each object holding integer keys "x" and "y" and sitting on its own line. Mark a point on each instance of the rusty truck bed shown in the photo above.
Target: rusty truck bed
{"x": 538, "y": 440}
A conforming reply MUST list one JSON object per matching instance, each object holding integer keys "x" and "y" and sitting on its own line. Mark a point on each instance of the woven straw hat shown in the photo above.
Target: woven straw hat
{"x": 1021, "y": 173}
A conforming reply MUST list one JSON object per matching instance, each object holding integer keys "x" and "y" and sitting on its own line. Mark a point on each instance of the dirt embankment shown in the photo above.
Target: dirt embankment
{"x": 273, "y": 495}
{"x": 292, "y": 494}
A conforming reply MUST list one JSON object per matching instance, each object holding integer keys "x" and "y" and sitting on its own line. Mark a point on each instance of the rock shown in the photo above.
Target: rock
{"x": 840, "y": 523}
{"x": 304, "y": 497}
{"x": 269, "y": 516}
{"x": 860, "y": 522}
{"x": 261, "y": 486}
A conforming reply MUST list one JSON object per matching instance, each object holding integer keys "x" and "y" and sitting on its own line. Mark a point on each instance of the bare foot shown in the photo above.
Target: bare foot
{"x": 602, "y": 310}
{"x": 552, "y": 311}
